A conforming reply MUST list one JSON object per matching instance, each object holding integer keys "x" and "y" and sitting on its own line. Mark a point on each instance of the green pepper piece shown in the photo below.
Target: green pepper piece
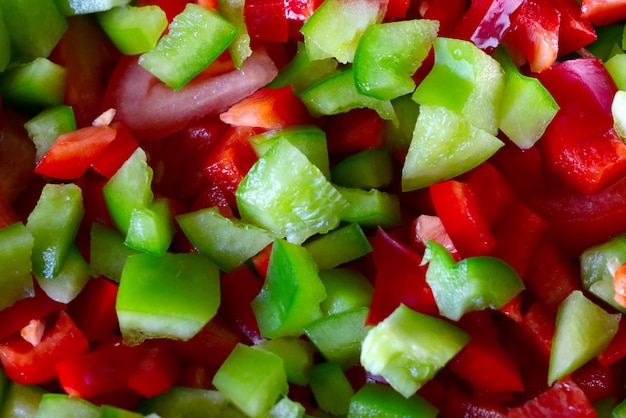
{"x": 388, "y": 54}
{"x": 616, "y": 67}
{"x": 465, "y": 80}
{"x": 377, "y": 400}
{"x": 408, "y": 348}
{"x": 618, "y": 109}
{"x": 151, "y": 229}
{"x": 331, "y": 388}
{"x": 54, "y": 223}
{"x": 81, "y": 7}
{"x": 371, "y": 208}
{"x": 32, "y": 86}
{"x": 252, "y": 379}
{"x": 44, "y": 128}
{"x": 107, "y": 251}
{"x": 444, "y": 145}
{"x": 115, "y": 412}
{"x": 345, "y": 289}
{"x": 16, "y": 247}
{"x": 5, "y": 44}
{"x": 239, "y": 49}
{"x": 73, "y": 276}
{"x": 172, "y": 296}
{"x": 338, "y": 246}
{"x": 297, "y": 354}
{"x": 133, "y": 30}
{"x": 619, "y": 411}
{"x": 337, "y": 93}
{"x": 527, "y": 108}
{"x": 288, "y": 195}
{"x": 399, "y": 135}
{"x": 301, "y": 72}
{"x": 371, "y": 168}
{"x": 336, "y": 26}
{"x": 291, "y": 294}
{"x": 22, "y": 398}
{"x": 228, "y": 242}
{"x": 583, "y": 330}
{"x": 608, "y": 37}
{"x": 196, "y": 37}
{"x": 60, "y": 405}
{"x": 185, "y": 401}
{"x": 474, "y": 283}
{"x": 339, "y": 336}
{"x": 34, "y": 27}
{"x": 286, "y": 408}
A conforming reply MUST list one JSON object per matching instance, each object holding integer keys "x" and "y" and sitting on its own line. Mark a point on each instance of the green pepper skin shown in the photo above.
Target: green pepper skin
{"x": 474, "y": 283}
{"x": 16, "y": 247}
{"x": 377, "y": 400}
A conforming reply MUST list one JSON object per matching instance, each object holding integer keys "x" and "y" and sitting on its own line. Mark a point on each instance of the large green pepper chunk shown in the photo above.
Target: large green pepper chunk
{"x": 171, "y": 296}
{"x": 292, "y": 292}
{"x": 377, "y": 400}
{"x": 16, "y": 246}
{"x": 474, "y": 283}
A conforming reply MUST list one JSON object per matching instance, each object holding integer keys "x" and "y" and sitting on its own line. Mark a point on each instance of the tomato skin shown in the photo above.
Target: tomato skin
{"x": 26, "y": 364}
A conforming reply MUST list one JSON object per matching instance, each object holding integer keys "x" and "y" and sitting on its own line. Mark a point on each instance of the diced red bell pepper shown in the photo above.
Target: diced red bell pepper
{"x": 397, "y": 9}
{"x": 196, "y": 375}
{"x": 73, "y": 153}
{"x": 603, "y": 12}
{"x": 534, "y": 32}
{"x": 116, "y": 153}
{"x": 298, "y": 11}
{"x": 28, "y": 364}
{"x": 261, "y": 262}
{"x": 447, "y": 12}
{"x": 430, "y": 228}
{"x": 170, "y": 7}
{"x": 211, "y": 4}
{"x": 616, "y": 349}
{"x": 461, "y": 404}
{"x": 266, "y": 20}
{"x": 155, "y": 370}
{"x": 538, "y": 326}
{"x": 18, "y": 315}
{"x": 461, "y": 213}
{"x": 353, "y": 131}
{"x": 17, "y": 157}
{"x": 93, "y": 309}
{"x": 598, "y": 381}
{"x": 7, "y": 215}
{"x": 268, "y": 108}
{"x": 400, "y": 279}
{"x": 239, "y": 287}
{"x": 575, "y": 32}
{"x": 212, "y": 196}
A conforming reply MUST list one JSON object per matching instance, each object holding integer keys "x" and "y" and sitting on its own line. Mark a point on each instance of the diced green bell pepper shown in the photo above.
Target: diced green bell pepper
{"x": 252, "y": 379}
{"x": 583, "y": 330}
{"x": 444, "y": 145}
{"x": 378, "y": 400}
{"x": 286, "y": 408}
{"x": 371, "y": 168}
{"x": 474, "y": 283}
{"x": 44, "y": 128}
{"x": 338, "y": 246}
{"x": 54, "y": 223}
{"x": 618, "y": 109}
{"x": 336, "y": 26}
{"x": 288, "y": 195}
{"x": 33, "y": 86}
{"x": 72, "y": 277}
{"x": 196, "y": 37}
{"x": 527, "y": 108}
{"x": 345, "y": 289}
{"x": 608, "y": 37}
{"x": 618, "y": 411}
{"x": 185, "y": 401}
{"x": 331, "y": 388}
{"x": 239, "y": 49}
{"x": 399, "y": 134}
{"x": 60, "y": 405}
{"x": 339, "y": 336}
{"x": 465, "y": 80}
{"x": 337, "y": 93}
{"x": 22, "y": 398}
{"x": 16, "y": 247}
{"x": 408, "y": 348}
{"x": 81, "y": 7}
{"x": 171, "y": 296}
{"x": 228, "y": 242}
{"x": 616, "y": 66}
{"x": 5, "y": 44}
{"x": 133, "y": 30}
{"x": 371, "y": 208}
{"x": 108, "y": 411}
{"x": 151, "y": 229}
{"x": 291, "y": 294}
{"x": 108, "y": 253}
{"x": 297, "y": 354}
{"x": 388, "y": 54}
{"x": 34, "y": 27}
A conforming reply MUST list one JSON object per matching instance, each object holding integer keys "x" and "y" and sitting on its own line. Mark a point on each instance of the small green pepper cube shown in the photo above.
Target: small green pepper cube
{"x": 196, "y": 37}
{"x": 44, "y": 128}
{"x": 115, "y": 412}
{"x": 371, "y": 168}
{"x": 336, "y": 26}
{"x": 171, "y": 296}
{"x": 616, "y": 66}
{"x": 292, "y": 292}
{"x": 81, "y": 7}
{"x": 284, "y": 192}
{"x": 129, "y": 189}
{"x": 337, "y": 93}
{"x": 297, "y": 354}
{"x": 583, "y": 330}
{"x": 32, "y": 86}
{"x": 331, "y": 388}
{"x": 228, "y": 242}
{"x": 345, "y": 289}
{"x": 252, "y": 379}
{"x": 338, "y": 246}
{"x": 16, "y": 247}
{"x": 107, "y": 252}
{"x": 34, "y": 27}
{"x": 377, "y": 400}
{"x": 388, "y": 54}
{"x": 408, "y": 348}
{"x": 74, "y": 275}
{"x": 239, "y": 49}
{"x": 5, "y": 44}
{"x": 339, "y": 336}
{"x": 21, "y": 397}
{"x": 444, "y": 145}
{"x": 371, "y": 208}
{"x": 474, "y": 283}
{"x": 60, "y": 405}
{"x": 286, "y": 408}
{"x": 185, "y": 401}
{"x": 133, "y": 30}
{"x": 151, "y": 229}
{"x": 54, "y": 223}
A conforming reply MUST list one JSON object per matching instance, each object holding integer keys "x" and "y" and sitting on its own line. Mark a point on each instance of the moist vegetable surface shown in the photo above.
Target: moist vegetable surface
{"x": 390, "y": 208}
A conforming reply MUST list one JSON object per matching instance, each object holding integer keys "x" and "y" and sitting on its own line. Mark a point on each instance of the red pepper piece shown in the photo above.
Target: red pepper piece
{"x": 603, "y": 12}
{"x": 170, "y": 7}
{"x": 460, "y": 211}
{"x": 575, "y": 31}
{"x": 430, "y": 228}
{"x": 116, "y": 153}
{"x": 598, "y": 381}
{"x": 447, "y": 12}
{"x": 266, "y": 20}
{"x": 17, "y": 157}
{"x": 397, "y": 9}
{"x": 616, "y": 349}
{"x": 18, "y": 315}
{"x": 7, "y": 215}
{"x": 197, "y": 375}
{"x": 239, "y": 287}
{"x": 353, "y": 131}
{"x": 93, "y": 309}
{"x": 461, "y": 404}
{"x": 212, "y": 196}
{"x": 538, "y": 326}
{"x": 400, "y": 279}
{"x": 156, "y": 368}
